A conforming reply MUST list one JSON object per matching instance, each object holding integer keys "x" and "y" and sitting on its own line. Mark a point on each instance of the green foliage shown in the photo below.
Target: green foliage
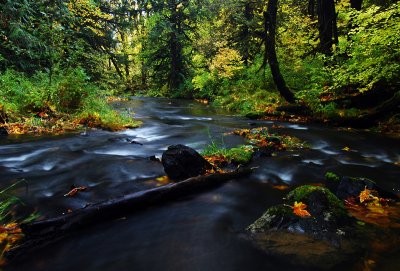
{"x": 330, "y": 176}
{"x": 193, "y": 49}
{"x": 368, "y": 56}
{"x": 302, "y": 194}
{"x": 8, "y": 205}
{"x": 70, "y": 95}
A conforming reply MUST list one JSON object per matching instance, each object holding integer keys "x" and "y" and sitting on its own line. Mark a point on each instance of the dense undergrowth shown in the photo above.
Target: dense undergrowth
{"x": 66, "y": 101}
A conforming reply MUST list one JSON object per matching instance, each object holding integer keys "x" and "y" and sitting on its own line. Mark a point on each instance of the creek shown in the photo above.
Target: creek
{"x": 197, "y": 232}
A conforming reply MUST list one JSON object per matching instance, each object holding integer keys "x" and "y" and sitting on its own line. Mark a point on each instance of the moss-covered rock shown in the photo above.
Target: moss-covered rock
{"x": 328, "y": 238}
{"x": 328, "y": 218}
{"x": 346, "y": 187}
{"x": 320, "y": 201}
{"x": 282, "y": 233}
{"x": 272, "y": 218}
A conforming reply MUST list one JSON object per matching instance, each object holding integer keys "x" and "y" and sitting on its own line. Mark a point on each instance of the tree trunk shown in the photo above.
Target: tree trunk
{"x": 311, "y": 8}
{"x": 248, "y": 15}
{"x": 356, "y": 4}
{"x": 175, "y": 47}
{"x": 327, "y": 25}
{"x": 45, "y": 231}
{"x": 270, "y": 30}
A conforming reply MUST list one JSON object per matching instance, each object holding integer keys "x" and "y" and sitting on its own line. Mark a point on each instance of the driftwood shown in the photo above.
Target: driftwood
{"x": 39, "y": 233}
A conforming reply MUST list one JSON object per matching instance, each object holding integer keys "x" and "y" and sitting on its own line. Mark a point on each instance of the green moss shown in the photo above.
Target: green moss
{"x": 241, "y": 155}
{"x": 267, "y": 220}
{"x": 330, "y": 176}
{"x": 302, "y": 194}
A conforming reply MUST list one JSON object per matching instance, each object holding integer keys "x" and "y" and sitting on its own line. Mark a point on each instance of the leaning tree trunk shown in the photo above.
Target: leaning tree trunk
{"x": 327, "y": 25}
{"x": 270, "y": 31}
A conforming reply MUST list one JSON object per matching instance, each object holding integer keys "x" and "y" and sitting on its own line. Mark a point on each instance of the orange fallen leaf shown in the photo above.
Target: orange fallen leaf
{"x": 163, "y": 180}
{"x": 299, "y": 209}
{"x": 75, "y": 190}
{"x": 364, "y": 195}
{"x": 10, "y": 235}
{"x": 280, "y": 187}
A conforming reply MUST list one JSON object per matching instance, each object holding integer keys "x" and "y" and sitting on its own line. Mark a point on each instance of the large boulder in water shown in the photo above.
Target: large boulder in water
{"x": 316, "y": 241}
{"x": 347, "y": 187}
{"x": 181, "y": 162}
{"x": 328, "y": 215}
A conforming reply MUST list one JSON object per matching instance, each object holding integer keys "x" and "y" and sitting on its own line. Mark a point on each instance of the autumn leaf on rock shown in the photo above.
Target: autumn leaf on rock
{"x": 346, "y": 149}
{"x": 299, "y": 209}
{"x": 364, "y": 195}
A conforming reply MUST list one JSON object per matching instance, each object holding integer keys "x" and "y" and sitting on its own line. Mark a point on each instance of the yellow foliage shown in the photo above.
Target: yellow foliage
{"x": 226, "y": 63}
{"x": 10, "y": 234}
{"x": 88, "y": 14}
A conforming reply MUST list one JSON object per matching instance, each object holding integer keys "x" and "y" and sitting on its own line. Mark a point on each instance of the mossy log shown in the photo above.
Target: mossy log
{"x": 41, "y": 232}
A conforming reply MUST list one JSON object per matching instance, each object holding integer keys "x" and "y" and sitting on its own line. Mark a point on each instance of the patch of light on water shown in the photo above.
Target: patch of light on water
{"x": 319, "y": 145}
{"x": 192, "y": 118}
{"x": 347, "y": 162}
{"x": 147, "y": 134}
{"x": 314, "y": 161}
{"x": 48, "y": 166}
{"x": 330, "y": 152}
{"x": 48, "y": 194}
{"x": 297, "y": 127}
{"x": 286, "y": 176}
{"x": 25, "y": 156}
{"x": 380, "y": 157}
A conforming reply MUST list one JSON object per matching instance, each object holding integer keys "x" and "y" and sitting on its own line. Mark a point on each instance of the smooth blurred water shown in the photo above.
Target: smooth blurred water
{"x": 198, "y": 232}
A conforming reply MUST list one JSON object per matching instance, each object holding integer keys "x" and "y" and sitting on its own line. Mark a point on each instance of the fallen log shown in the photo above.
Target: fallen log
{"x": 39, "y": 233}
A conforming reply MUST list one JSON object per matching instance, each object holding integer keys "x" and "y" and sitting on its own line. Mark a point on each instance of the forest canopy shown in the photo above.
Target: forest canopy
{"x": 245, "y": 55}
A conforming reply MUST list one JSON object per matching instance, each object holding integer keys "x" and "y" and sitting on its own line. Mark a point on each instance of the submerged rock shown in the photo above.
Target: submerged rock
{"x": 346, "y": 187}
{"x": 181, "y": 162}
{"x": 313, "y": 241}
{"x": 328, "y": 215}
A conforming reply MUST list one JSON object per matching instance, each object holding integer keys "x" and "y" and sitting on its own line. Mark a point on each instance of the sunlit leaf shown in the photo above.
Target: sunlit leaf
{"x": 364, "y": 195}
{"x": 299, "y": 209}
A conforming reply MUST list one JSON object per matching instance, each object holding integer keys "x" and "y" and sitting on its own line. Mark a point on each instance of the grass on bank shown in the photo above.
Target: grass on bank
{"x": 10, "y": 219}
{"x": 66, "y": 101}
{"x": 256, "y": 139}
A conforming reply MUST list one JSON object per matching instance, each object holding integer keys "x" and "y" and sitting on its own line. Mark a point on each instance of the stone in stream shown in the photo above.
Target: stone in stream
{"x": 181, "y": 162}
{"x": 3, "y": 131}
{"x": 314, "y": 241}
{"x": 346, "y": 187}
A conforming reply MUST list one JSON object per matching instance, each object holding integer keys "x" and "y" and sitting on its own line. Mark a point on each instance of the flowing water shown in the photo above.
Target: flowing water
{"x": 198, "y": 232}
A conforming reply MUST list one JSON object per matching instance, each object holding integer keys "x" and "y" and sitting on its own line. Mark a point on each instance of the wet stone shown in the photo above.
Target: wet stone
{"x": 346, "y": 187}
{"x": 311, "y": 240}
{"x": 181, "y": 162}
